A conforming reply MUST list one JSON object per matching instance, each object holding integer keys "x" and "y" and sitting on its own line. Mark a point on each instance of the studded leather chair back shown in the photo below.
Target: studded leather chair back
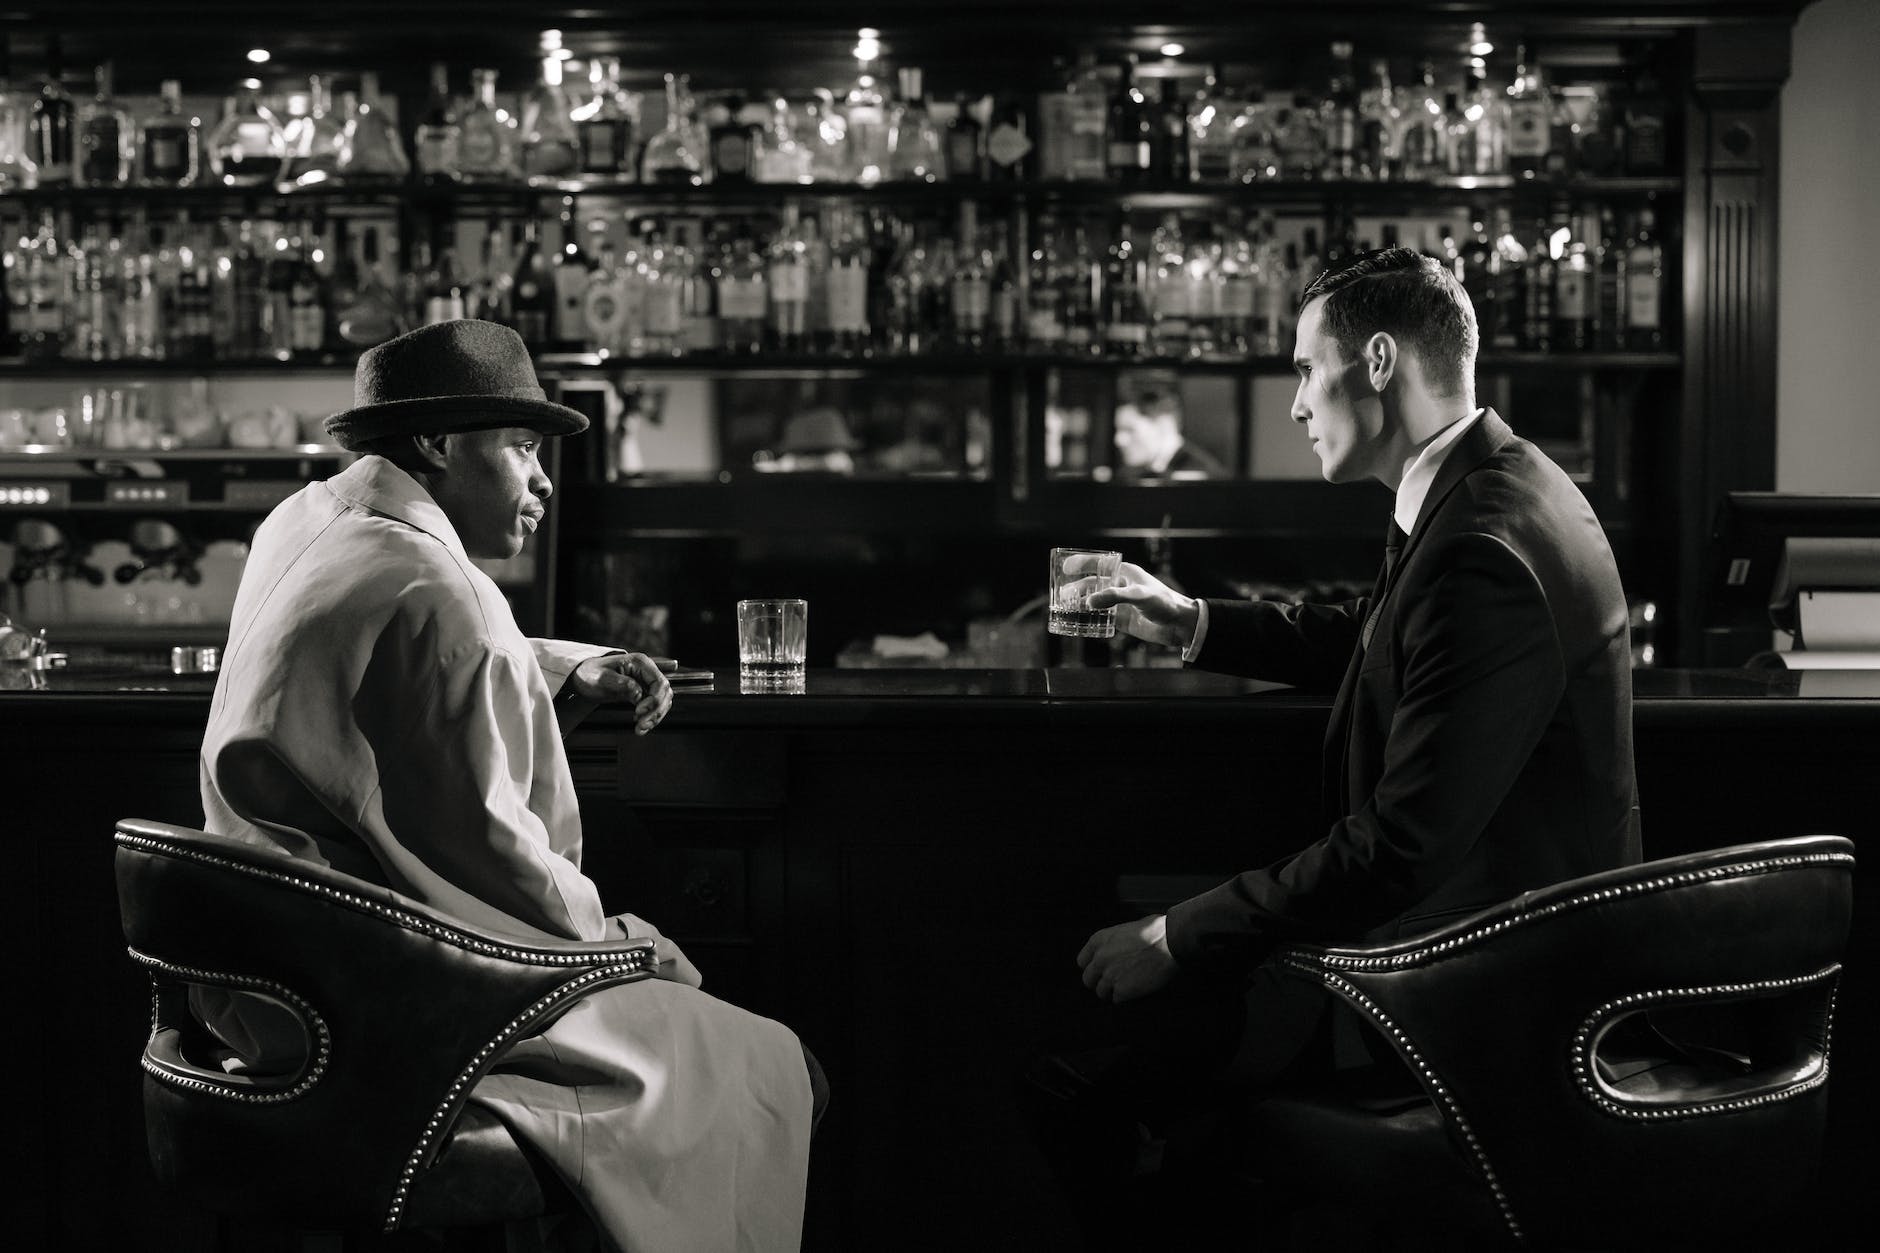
{"x": 1640, "y": 1051}
{"x": 403, "y": 1009}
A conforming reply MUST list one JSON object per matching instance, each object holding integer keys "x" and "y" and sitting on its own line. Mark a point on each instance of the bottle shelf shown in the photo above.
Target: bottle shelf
{"x": 46, "y": 454}
{"x": 939, "y": 362}
{"x": 1164, "y": 196}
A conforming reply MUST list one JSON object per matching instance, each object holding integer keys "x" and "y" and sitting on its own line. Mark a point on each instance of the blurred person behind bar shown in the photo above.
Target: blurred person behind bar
{"x": 1480, "y": 743}
{"x": 1151, "y": 443}
{"x": 380, "y": 712}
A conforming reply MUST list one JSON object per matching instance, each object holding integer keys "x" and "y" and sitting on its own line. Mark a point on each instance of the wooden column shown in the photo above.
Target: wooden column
{"x": 1727, "y": 438}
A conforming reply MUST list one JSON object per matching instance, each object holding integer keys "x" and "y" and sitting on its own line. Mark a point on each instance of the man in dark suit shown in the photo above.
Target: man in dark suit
{"x": 1150, "y": 442}
{"x": 1481, "y": 741}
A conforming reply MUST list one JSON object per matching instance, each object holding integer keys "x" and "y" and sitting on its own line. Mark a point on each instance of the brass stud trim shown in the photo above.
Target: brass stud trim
{"x": 322, "y": 1037}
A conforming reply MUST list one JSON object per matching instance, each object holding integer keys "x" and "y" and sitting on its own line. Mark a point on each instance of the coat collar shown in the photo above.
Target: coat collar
{"x": 376, "y": 484}
{"x": 1476, "y": 445}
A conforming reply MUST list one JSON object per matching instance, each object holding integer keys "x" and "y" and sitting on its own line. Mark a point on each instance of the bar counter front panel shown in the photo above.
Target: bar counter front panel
{"x": 902, "y": 867}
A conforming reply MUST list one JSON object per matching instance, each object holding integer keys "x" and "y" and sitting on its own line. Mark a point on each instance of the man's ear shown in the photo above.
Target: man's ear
{"x": 1380, "y": 360}
{"x": 430, "y": 450}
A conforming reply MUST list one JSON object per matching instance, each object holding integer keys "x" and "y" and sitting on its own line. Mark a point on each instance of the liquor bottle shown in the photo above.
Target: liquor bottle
{"x": 1125, "y": 318}
{"x": 1237, "y": 276}
{"x": 743, "y": 295}
{"x": 1008, "y": 140}
{"x": 534, "y": 289}
{"x": 51, "y": 125}
{"x": 915, "y": 150}
{"x": 866, "y": 111}
{"x": 601, "y": 306}
{"x": 141, "y": 324}
{"x": 247, "y": 145}
{"x": 307, "y": 302}
{"x": 41, "y": 332}
{"x": 1089, "y": 108}
{"x": 911, "y": 271}
{"x": 1608, "y": 286}
{"x": 970, "y": 284}
{"x": 368, "y": 146}
{"x": 846, "y": 282}
{"x": 1459, "y": 137}
{"x": 1476, "y": 273}
{"x": 1380, "y": 126}
{"x": 1044, "y": 316}
{"x": 1420, "y": 142}
{"x": 18, "y": 170}
{"x": 490, "y": 294}
{"x": 1211, "y": 134}
{"x": 313, "y": 141}
{"x": 1508, "y": 280}
{"x": 550, "y": 147}
{"x": 443, "y": 289}
{"x": 105, "y": 147}
{"x": 1489, "y": 110}
{"x": 787, "y": 272}
{"x": 698, "y": 317}
{"x": 486, "y": 134}
{"x": 1079, "y": 276}
{"x": 1169, "y": 295}
{"x": 1645, "y": 132}
{"x": 1272, "y": 294}
{"x": 672, "y": 157}
{"x": 170, "y": 148}
{"x": 247, "y": 291}
{"x": 664, "y": 296}
{"x": 1644, "y": 286}
{"x": 604, "y": 125}
{"x": 370, "y": 314}
{"x": 1538, "y": 293}
{"x": 1530, "y": 118}
{"x": 733, "y": 143}
{"x": 1002, "y": 322}
{"x": 1339, "y": 114}
{"x": 965, "y": 160}
{"x": 1132, "y": 131}
{"x": 1171, "y": 162}
{"x": 1573, "y": 286}
{"x": 277, "y": 310}
{"x": 573, "y": 271}
{"x": 436, "y": 139}
{"x": 1053, "y": 110}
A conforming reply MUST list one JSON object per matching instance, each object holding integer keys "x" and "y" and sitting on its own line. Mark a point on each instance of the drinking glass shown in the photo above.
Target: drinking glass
{"x": 1075, "y": 573}
{"x": 772, "y": 638}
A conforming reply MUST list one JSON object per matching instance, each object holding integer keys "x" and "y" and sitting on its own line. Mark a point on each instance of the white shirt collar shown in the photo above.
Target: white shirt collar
{"x": 1421, "y": 475}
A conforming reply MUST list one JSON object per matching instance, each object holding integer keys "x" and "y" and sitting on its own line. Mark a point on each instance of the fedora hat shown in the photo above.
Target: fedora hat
{"x": 464, "y": 375}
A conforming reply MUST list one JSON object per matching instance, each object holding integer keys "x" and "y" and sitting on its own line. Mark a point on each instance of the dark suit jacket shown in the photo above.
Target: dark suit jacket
{"x": 1479, "y": 747}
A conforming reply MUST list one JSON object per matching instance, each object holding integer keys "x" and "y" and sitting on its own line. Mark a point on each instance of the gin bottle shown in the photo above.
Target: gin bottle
{"x": 170, "y": 142}
{"x": 549, "y": 147}
{"x": 369, "y": 147}
{"x": 673, "y": 156}
{"x": 313, "y": 141}
{"x": 246, "y": 147}
{"x": 105, "y": 149}
{"x": 486, "y": 140}
{"x": 438, "y": 133}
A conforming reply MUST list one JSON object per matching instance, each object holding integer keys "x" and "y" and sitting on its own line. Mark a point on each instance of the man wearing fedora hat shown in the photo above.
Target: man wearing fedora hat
{"x": 379, "y": 711}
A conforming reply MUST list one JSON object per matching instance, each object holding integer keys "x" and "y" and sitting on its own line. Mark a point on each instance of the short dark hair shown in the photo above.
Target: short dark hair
{"x": 1154, "y": 400}
{"x": 1412, "y": 298}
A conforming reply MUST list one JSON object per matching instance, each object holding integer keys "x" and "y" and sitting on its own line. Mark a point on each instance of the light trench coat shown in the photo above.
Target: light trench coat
{"x": 380, "y": 712}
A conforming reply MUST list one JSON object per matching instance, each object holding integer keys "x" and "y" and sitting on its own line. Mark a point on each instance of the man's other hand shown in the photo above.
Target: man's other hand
{"x": 1148, "y": 608}
{"x": 630, "y": 677}
{"x": 1128, "y": 960}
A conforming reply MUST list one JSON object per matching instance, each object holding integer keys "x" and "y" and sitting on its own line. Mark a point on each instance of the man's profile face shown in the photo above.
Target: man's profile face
{"x": 1141, "y": 438}
{"x": 1335, "y": 401}
{"x": 491, "y": 488}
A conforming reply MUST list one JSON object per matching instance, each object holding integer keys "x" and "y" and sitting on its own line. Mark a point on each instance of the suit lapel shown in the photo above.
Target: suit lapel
{"x": 1477, "y": 445}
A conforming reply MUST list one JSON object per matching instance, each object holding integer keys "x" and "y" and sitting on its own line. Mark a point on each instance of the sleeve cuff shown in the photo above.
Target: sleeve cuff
{"x": 1201, "y": 635}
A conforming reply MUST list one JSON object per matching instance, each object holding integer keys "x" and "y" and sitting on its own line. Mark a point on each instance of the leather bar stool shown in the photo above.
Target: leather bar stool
{"x": 401, "y": 1010}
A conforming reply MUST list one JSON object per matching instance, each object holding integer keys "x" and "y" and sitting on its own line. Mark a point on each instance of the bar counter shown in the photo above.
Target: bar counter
{"x": 902, "y": 866}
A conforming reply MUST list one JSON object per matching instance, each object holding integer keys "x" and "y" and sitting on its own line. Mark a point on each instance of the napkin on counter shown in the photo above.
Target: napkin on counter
{"x": 926, "y": 645}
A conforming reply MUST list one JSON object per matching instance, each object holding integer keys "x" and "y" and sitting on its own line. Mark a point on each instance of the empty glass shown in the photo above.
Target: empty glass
{"x": 1075, "y": 573}
{"x": 773, "y": 637}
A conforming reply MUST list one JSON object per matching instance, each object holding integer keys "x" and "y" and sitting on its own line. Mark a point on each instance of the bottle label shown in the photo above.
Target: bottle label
{"x": 1126, "y": 333}
{"x": 789, "y": 283}
{"x": 602, "y": 311}
{"x": 1529, "y": 128}
{"x": 664, "y": 315}
{"x": 1043, "y": 326}
{"x": 602, "y": 146}
{"x": 481, "y": 147}
{"x": 437, "y": 150}
{"x": 972, "y": 301}
{"x": 1089, "y": 136}
{"x": 163, "y": 154}
{"x": 731, "y": 153}
{"x": 1130, "y": 156}
{"x": 1055, "y": 140}
{"x": 1007, "y": 145}
{"x": 1642, "y": 301}
{"x": 1238, "y": 296}
{"x": 848, "y": 298}
{"x": 1570, "y": 295}
{"x": 571, "y": 284}
{"x": 741, "y": 299}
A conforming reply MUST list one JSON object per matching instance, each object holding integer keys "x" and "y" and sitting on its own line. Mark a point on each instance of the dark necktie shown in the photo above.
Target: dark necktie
{"x": 1393, "y": 549}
